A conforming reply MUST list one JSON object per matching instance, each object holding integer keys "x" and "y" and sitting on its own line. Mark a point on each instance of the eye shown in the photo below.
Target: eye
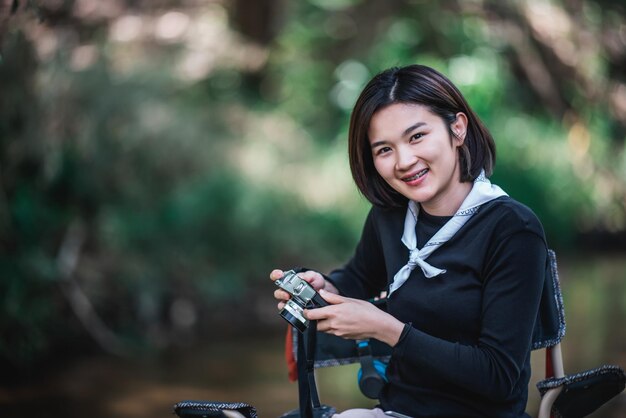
{"x": 416, "y": 137}
{"x": 382, "y": 150}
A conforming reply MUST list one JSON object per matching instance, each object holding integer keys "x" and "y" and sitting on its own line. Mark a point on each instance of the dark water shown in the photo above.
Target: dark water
{"x": 254, "y": 371}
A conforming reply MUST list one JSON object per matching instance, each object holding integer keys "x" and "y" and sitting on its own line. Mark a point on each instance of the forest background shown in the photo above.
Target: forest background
{"x": 159, "y": 157}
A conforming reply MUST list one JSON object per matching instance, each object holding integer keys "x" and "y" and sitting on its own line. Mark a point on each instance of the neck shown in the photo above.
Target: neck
{"x": 449, "y": 203}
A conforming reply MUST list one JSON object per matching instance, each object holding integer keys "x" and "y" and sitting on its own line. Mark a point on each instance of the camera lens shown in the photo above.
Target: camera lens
{"x": 293, "y": 320}
{"x": 293, "y": 314}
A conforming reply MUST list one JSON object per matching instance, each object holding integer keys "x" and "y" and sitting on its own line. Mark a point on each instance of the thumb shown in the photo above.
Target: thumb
{"x": 331, "y": 297}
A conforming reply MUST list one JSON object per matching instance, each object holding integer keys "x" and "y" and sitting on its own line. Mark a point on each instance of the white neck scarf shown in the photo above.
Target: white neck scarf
{"x": 482, "y": 192}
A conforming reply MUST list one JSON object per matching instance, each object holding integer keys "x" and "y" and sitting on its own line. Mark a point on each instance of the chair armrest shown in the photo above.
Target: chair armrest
{"x": 582, "y": 393}
{"x": 191, "y": 409}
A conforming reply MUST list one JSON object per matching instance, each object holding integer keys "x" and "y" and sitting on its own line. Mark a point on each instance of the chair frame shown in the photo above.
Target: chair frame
{"x": 554, "y": 368}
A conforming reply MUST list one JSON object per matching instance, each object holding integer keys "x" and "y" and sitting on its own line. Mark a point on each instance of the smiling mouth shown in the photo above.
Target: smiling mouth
{"x": 416, "y": 176}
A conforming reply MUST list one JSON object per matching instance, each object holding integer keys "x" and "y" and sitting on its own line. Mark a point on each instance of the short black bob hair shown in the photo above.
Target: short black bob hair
{"x": 413, "y": 84}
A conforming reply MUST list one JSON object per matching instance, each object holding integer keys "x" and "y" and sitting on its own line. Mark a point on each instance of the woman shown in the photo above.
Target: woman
{"x": 462, "y": 262}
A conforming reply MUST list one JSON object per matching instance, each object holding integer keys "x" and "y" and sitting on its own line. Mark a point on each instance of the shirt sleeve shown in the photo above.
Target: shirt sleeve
{"x": 513, "y": 281}
{"x": 364, "y": 276}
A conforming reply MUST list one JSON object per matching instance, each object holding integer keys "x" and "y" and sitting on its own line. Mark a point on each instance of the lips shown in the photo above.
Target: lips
{"x": 415, "y": 176}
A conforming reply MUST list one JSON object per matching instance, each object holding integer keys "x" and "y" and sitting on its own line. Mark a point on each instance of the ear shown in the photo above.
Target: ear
{"x": 459, "y": 128}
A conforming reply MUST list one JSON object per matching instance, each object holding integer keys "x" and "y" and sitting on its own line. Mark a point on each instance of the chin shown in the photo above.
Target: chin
{"x": 418, "y": 197}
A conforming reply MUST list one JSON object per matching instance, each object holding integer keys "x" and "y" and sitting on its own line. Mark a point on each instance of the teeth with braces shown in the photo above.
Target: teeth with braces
{"x": 418, "y": 175}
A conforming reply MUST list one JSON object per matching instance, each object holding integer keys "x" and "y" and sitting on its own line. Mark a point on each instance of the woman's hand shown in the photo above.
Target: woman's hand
{"x": 355, "y": 319}
{"x": 315, "y": 279}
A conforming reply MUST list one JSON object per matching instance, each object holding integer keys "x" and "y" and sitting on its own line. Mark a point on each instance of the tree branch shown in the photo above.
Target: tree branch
{"x": 67, "y": 260}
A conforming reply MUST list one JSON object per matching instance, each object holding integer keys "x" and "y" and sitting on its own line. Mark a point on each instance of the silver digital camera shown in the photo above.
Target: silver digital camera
{"x": 303, "y": 296}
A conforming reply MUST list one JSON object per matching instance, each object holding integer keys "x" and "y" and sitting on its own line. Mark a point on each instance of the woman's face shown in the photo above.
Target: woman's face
{"x": 414, "y": 153}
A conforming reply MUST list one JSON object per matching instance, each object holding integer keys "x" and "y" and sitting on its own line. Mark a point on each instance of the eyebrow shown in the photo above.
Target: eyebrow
{"x": 405, "y": 133}
{"x": 412, "y": 128}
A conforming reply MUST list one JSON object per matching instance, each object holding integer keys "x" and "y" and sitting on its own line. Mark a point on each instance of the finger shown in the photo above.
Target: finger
{"x": 276, "y": 274}
{"x": 317, "y": 314}
{"x": 323, "y": 326}
{"x": 281, "y": 295}
{"x": 332, "y": 298}
{"x": 314, "y": 278}
{"x": 281, "y": 305}
{"x": 309, "y": 275}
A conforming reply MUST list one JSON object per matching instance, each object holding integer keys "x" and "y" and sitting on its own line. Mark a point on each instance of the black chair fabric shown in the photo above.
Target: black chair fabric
{"x": 585, "y": 392}
{"x": 550, "y": 323}
{"x": 195, "y": 409}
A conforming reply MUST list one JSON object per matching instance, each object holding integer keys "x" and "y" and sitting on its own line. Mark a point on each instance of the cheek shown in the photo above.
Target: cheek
{"x": 382, "y": 167}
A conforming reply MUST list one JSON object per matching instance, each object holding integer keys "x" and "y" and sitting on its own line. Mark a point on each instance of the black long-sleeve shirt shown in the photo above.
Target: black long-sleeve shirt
{"x": 467, "y": 351}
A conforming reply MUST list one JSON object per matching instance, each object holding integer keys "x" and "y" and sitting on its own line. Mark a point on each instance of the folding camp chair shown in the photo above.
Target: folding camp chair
{"x": 576, "y": 395}
{"x": 563, "y": 396}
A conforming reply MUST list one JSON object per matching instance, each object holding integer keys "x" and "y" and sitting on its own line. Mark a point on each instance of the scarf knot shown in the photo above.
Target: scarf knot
{"x": 414, "y": 257}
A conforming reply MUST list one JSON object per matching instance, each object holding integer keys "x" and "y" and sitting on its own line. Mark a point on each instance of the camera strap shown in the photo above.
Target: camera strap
{"x": 307, "y": 389}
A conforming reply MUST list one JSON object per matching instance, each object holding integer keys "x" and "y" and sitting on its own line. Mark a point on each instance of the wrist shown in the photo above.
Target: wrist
{"x": 391, "y": 331}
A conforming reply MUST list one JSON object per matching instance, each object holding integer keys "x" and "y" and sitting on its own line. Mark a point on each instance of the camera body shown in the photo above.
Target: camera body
{"x": 303, "y": 296}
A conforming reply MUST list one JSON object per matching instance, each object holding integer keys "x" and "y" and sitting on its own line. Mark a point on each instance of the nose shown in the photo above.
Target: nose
{"x": 405, "y": 159}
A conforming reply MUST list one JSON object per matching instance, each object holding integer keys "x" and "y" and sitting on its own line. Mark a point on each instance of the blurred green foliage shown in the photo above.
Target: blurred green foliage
{"x": 193, "y": 160}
